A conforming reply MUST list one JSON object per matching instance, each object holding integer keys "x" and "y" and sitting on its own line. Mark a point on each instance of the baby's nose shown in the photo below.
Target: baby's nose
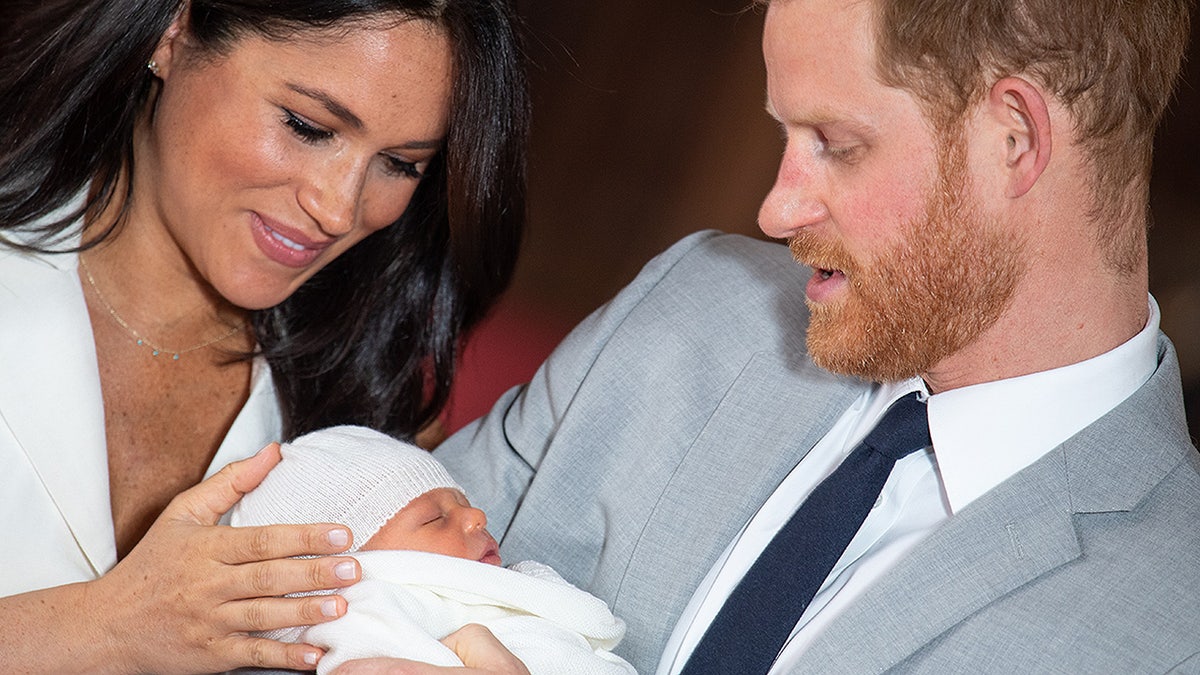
{"x": 474, "y": 519}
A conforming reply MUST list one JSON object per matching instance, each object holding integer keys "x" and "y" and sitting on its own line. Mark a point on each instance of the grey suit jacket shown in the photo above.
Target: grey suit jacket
{"x": 662, "y": 422}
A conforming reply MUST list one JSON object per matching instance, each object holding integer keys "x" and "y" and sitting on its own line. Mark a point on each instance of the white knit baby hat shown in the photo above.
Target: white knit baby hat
{"x": 351, "y": 475}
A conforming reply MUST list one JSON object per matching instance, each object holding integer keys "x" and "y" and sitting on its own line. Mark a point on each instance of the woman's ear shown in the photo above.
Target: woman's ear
{"x": 1022, "y": 123}
{"x": 166, "y": 53}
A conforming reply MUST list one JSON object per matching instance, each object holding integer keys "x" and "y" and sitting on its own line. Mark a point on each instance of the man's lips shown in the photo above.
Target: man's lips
{"x": 825, "y": 284}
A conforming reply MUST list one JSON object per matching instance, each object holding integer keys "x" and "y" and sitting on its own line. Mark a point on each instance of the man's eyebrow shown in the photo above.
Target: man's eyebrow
{"x": 330, "y": 103}
{"x": 822, "y": 116}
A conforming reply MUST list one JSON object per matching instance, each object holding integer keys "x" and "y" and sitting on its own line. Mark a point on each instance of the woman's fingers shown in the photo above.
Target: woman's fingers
{"x": 259, "y": 614}
{"x": 264, "y": 653}
{"x": 207, "y": 502}
{"x": 281, "y": 577}
{"x": 267, "y": 542}
{"x": 187, "y": 595}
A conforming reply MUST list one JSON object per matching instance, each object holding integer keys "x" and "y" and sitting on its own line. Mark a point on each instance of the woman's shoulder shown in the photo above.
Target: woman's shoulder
{"x": 33, "y": 244}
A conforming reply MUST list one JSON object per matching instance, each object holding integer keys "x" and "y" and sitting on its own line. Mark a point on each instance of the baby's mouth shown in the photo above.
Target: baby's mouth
{"x": 491, "y": 556}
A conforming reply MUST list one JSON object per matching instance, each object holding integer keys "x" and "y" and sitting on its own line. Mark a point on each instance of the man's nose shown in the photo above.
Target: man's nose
{"x": 794, "y": 202}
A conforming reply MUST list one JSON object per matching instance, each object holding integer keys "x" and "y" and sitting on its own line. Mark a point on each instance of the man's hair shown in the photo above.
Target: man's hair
{"x": 1112, "y": 63}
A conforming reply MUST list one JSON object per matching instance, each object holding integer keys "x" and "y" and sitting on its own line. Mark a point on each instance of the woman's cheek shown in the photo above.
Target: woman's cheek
{"x": 382, "y": 207}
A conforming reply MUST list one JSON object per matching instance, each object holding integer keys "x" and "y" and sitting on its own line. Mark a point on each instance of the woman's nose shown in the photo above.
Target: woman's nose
{"x": 331, "y": 197}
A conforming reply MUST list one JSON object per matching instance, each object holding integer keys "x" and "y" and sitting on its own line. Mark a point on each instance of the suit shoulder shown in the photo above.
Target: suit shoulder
{"x": 726, "y": 291}
{"x": 713, "y": 256}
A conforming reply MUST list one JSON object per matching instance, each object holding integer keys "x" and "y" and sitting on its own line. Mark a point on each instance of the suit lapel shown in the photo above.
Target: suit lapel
{"x": 772, "y": 415}
{"x": 1019, "y": 531}
{"x": 51, "y": 399}
{"x": 1000, "y": 542}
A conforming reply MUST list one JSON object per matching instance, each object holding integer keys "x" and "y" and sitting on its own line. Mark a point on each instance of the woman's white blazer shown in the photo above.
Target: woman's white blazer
{"x": 54, "y": 495}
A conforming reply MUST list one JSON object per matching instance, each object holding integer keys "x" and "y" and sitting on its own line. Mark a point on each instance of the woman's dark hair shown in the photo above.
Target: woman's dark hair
{"x": 373, "y": 337}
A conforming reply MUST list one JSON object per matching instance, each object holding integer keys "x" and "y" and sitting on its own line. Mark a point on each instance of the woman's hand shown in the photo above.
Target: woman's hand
{"x": 184, "y": 598}
{"x": 479, "y": 650}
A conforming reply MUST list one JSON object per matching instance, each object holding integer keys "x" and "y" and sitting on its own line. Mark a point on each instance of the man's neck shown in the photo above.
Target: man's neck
{"x": 1048, "y": 325}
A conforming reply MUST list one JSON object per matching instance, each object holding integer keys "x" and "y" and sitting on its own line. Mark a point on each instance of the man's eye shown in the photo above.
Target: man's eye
{"x": 842, "y": 153}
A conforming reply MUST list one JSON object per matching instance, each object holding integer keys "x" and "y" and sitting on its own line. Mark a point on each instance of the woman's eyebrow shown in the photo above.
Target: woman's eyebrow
{"x": 330, "y": 103}
{"x": 343, "y": 113}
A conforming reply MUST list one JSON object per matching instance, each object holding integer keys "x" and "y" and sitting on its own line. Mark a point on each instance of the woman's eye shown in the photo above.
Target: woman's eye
{"x": 304, "y": 129}
{"x": 401, "y": 167}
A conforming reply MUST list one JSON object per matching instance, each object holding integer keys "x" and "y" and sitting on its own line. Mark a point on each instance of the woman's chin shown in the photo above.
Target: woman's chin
{"x": 251, "y": 296}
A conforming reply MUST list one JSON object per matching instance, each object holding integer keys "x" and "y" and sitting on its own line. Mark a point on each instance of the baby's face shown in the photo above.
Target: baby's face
{"x": 439, "y": 521}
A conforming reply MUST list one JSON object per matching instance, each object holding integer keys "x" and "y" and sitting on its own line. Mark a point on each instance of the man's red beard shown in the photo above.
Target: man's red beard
{"x": 950, "y": 277}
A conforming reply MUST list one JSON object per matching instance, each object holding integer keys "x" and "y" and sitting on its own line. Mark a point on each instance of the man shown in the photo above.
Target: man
{"x": 968, "y": 182}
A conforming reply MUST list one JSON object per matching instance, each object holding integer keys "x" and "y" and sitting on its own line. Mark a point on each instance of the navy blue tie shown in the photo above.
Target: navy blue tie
{"x": 747, "y": 634}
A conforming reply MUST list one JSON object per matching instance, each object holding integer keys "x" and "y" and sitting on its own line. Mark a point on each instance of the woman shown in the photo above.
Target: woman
{"x": 226, "y": 222}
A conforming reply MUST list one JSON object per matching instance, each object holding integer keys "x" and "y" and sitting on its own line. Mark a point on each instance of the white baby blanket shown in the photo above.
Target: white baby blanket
{"x": 408, "y": 600}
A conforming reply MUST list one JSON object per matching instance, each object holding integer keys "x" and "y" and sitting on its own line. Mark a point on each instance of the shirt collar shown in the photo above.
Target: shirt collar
{"x": 985, "y": 433}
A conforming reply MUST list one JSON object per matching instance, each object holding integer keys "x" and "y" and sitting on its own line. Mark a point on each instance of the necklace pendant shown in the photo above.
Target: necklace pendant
{"x": 138, "y": 339}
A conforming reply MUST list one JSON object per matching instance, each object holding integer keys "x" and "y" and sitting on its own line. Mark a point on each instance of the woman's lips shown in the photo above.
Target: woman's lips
{"x": 285, "y": 245}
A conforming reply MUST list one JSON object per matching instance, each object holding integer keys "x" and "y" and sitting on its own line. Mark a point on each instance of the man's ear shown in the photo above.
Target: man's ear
{"x": 1022, "y": 121}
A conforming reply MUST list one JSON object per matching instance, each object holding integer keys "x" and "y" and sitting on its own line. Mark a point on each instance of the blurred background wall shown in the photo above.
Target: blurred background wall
{"x": 649, "y": 124}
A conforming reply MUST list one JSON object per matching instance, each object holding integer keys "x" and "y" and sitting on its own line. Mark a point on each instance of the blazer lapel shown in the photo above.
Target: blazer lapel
{"x": 51, "y": 399}
{"x": 1002, "y": 541}
{"x": 1022, "y": 529}
{"x": 772, "y": 415}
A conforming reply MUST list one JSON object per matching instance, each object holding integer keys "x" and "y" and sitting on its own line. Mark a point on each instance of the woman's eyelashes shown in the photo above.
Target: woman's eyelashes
{"x": 401, "y": 167}
{"x": 305, "y": 130}
{"x": 314, "y": 135}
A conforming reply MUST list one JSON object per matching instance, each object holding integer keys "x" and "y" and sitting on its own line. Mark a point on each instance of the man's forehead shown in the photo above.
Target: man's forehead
{"x": 821, "y": 60}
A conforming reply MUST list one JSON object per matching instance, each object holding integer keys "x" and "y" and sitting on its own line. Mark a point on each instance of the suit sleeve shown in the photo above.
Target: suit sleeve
{"x": 496, "y": 457}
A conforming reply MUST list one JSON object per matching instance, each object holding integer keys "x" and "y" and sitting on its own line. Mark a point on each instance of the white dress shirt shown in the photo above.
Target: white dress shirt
{"x": 982, "y": 435}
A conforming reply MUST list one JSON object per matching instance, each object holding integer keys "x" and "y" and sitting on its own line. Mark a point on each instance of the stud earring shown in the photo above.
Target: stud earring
{"x": 153, "y": 66}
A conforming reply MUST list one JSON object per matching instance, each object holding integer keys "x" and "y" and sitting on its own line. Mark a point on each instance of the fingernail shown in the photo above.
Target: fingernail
{"x": 329, "y": 607}
{"x": 311, "y": 658}
{"x": 345, "y": 571}
{"x": 339, "y": 538}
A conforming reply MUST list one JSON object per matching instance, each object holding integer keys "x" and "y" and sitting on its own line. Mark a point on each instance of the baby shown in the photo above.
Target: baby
{"x": 429, "y": 565}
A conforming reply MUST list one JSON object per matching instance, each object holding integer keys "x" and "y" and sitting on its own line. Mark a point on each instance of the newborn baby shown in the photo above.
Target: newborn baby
{"x": 429, "y": 565}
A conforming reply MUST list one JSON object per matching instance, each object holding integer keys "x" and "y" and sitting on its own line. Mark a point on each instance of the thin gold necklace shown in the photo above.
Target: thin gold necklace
{"x": 140, "y": 339}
